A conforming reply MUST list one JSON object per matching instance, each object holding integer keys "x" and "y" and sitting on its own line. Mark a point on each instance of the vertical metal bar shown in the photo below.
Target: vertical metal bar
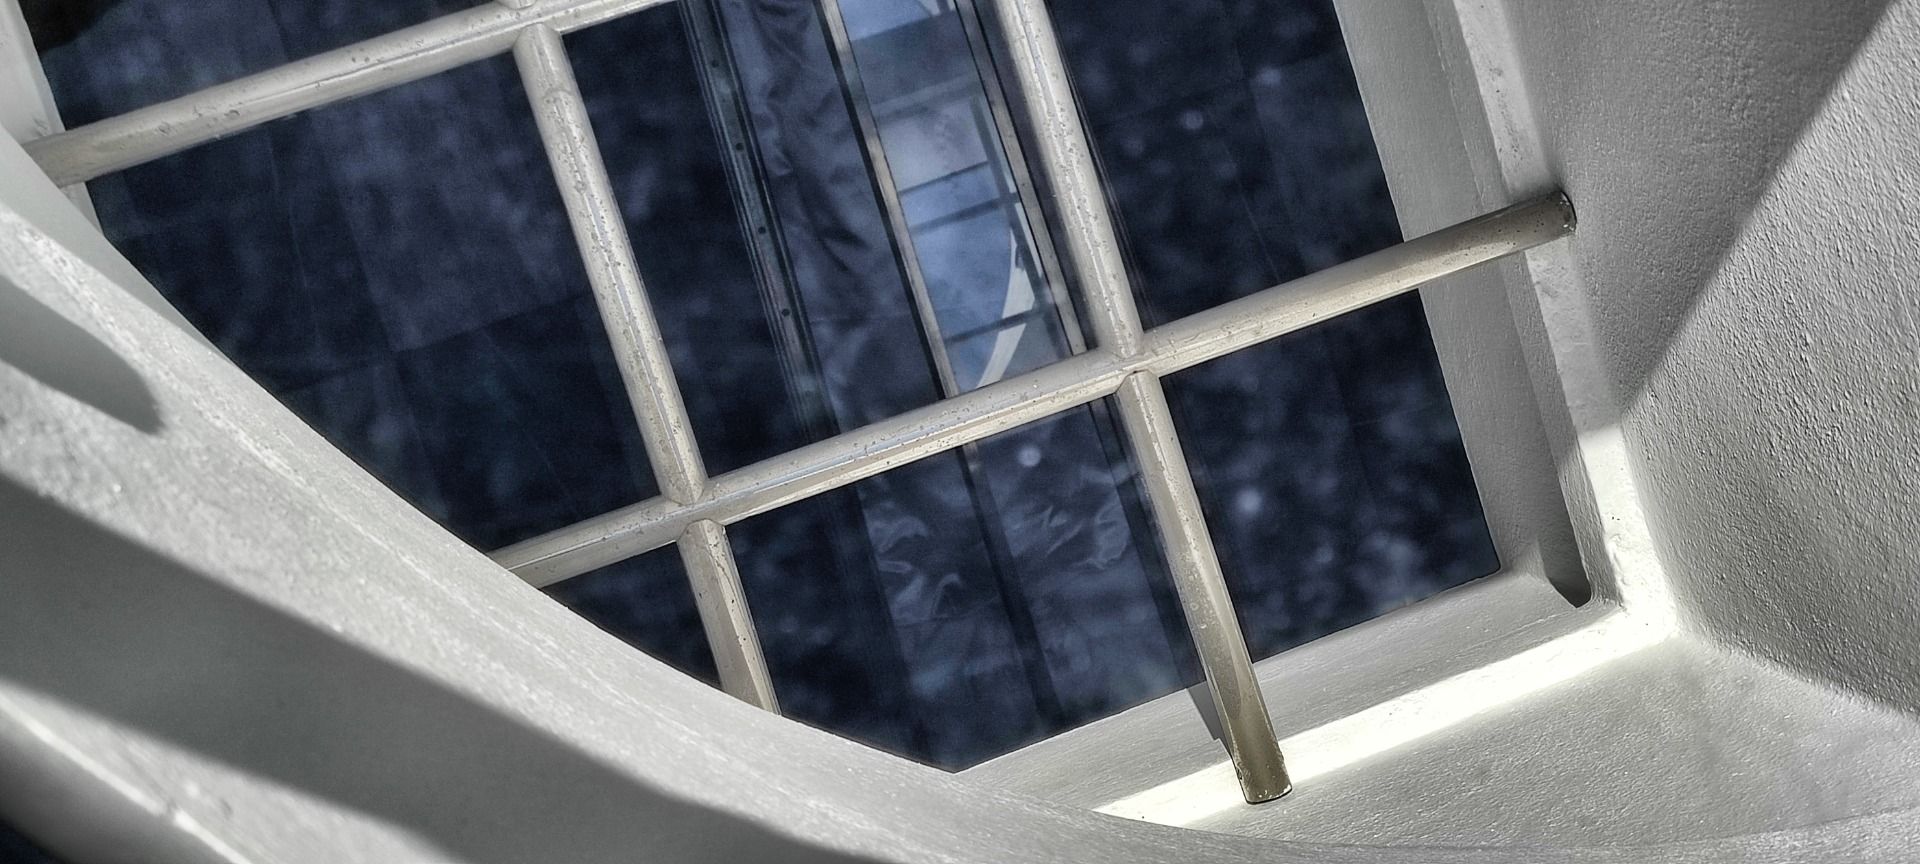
{"x": 1094, "y": 249}
{"x": 718, "y": 595}
{"x": 979, "y": 491}
{"x": 645, "y": 366}
{"x": 1202, "y": 589}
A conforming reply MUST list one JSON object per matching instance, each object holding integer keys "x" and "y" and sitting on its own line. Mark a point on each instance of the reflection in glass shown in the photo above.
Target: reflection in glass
{"x": 949, "y": 189}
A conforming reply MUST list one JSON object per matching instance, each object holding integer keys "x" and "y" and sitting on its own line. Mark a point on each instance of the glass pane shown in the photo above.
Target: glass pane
{"x": 399, "y": 270}
{"x": 107, "y": 57}
{"x": 748, "y": 395}
{"x": 647, "y": 603}
{"x": 959, "y": 607}
{"x": 1237, "y": 155}
{"x": 852, "y": 340}
{"x": 947, "y": 175}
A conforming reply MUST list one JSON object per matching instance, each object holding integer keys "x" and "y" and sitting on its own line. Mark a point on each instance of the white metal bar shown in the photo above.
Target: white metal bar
{"x": 641, "y": 352}
{"x": 818, "y": 467}
{"x": 724, "y": 615}
{"x": 1094, "y": 248}
{"x": 1244, "y": 724}
{"x": 411, "y": 54}
{"x": 1077, "y": 380}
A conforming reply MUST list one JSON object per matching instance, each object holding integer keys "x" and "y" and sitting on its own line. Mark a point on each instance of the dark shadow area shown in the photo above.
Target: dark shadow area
{"x": 15, "y": 848}
{"x": 113, "y": 628}
{"x": 54, "y": 23}
{"x": 60, "y": 354}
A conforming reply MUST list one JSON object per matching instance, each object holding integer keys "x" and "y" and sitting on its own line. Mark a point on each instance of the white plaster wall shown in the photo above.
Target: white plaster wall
{"x": 1746, "y": 175}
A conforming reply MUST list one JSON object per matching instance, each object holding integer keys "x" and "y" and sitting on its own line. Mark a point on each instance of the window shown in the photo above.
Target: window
{"x": 848, "y": 325}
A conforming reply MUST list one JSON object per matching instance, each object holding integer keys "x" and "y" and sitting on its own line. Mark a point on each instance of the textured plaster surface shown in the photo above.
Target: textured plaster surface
{"x": 1745, "y": 174}
{"x": 1560, "y": 729}
{"x": 1679, "y": 741}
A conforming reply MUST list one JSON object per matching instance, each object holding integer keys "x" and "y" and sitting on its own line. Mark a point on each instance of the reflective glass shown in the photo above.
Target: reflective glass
{"x": 1237, "y": 156}
{"x": 962, "y": 219}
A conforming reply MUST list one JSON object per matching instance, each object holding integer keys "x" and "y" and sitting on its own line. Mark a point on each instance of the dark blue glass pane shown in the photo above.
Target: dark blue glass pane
{"x": 647, "y": 603}
{"x": 961, "y": 606}
{"x": 107, "y": 57}
{"x": 398, "y": 269}
{"x": 959, "y": 209}
{"x": 1237, "y": 155}
{"x": 644, "y": 96}
{"x": 1084, "y": 565}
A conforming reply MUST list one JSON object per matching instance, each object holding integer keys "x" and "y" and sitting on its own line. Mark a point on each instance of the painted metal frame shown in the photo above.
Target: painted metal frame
{"x": 1126, "y": 363}
{"x": 641, "y": 353}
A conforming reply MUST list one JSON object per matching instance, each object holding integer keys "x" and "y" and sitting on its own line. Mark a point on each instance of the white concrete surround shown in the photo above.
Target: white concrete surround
{"x": 222, "y": 641}
{"x": 1749, "y": 265}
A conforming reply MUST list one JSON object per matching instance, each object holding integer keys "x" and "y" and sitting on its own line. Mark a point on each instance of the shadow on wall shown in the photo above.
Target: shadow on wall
{"x": 98, "y": 622}
{"x": 1746, "y": 253}
{"x": 60, "y": 354}
{"x": 1724, "y": 112}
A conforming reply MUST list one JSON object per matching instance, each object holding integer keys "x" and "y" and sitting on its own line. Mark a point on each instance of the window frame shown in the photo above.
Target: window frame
{"x": 1125, "y": 362}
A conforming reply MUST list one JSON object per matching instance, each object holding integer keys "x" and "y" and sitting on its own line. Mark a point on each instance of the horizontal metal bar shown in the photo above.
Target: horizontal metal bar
{"x": 411, "y": 54}
{"x": 977, "y": 414}
{"x": 1363, "y": 281}
{"x": 646, "y": 368}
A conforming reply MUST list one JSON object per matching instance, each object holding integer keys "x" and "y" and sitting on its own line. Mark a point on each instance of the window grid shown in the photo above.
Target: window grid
{"x": 1145, "y": 420}
{"x": 1126, "y": 363}
{"x": 641, "y": 353}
